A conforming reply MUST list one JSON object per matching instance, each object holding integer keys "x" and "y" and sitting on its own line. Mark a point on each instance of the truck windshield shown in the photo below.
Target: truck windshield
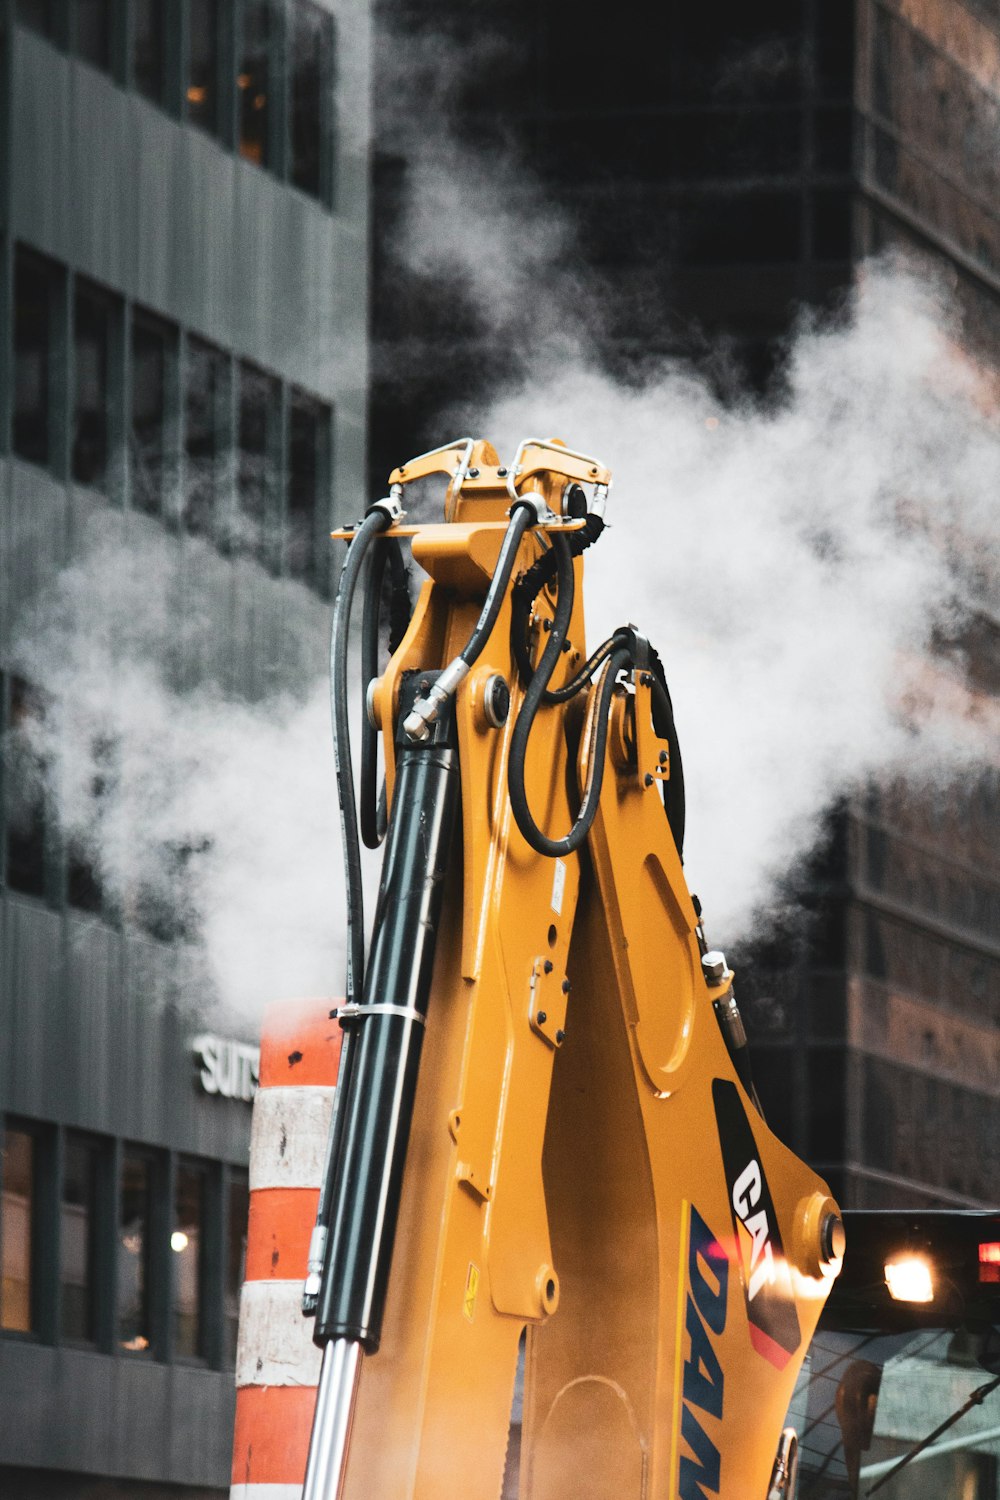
{"x": 866, "y": 1400}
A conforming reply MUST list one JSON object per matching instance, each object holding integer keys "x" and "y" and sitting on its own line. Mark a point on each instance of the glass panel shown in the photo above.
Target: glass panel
{"x": 204, "y": 391}
{"x": 32, "y": 341}
{"x": 91, "y": 344}
{"x": 15, "y": 1225}
{"x": 24, "y": 793}
{"x": 186, "y": 1242}
{"x": 133, "y": 1279}
{"x": 149, "y": 394}
{"x": 236, "y": 1259}
{"x": 203, "y": 65}
{"x": 40, "y": 15}
{"x": 84, "y": 889}
{"x": 93, "y": 32}
{"x": 148, "y": 36}
{"x": 259, "y": 413}
{"x": 76, "y": 1248}
{"x": 311, "y": 67}
{"x": 308, "y": 423}
{"x": 253, "y": 81}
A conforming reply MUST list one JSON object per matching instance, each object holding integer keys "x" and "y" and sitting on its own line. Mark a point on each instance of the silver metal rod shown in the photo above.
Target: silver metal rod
{"x": 331, "y": 1431}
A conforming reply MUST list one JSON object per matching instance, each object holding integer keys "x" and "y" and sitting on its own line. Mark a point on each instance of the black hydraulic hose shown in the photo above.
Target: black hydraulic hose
{"x": 368, "y": 785}
{"x": 530, "y": 586}
{"x": 586, "y": 672}
{"x": 372, "y": 799}
{"x": 375, "y": 522}
{"x": 674, "y": 800}
{"x": 524, "y": 516}
{"x": 533, "y": 698}
{"x": 372, "y": 809}
{"x": 426, "y": 710}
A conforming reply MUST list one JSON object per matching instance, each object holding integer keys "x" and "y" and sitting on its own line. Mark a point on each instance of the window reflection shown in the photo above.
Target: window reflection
{"x": 186, "y": 1243}
{"x": 203, "y": 64}
{"x": 205, "y": 388}
{"x": 34, "y": 284}
{"x": 92, "y": 39}
{"x": 76, "y": 1239}
{"x": 24, "y": 792}
{"x": 133, "y": 1259}
{"x": 236, "y": 1257}
{"x": 253, "y": 81}
{"x": 150, "y": 344}
{"x": 40, "y": 16}
{"x": 310, "y": 83}
{"x": 148, "y": 49}
{"x": 258, "y": 431}
{"x": 308, "y": 426}
{"x": 91, "y": 356}
{"x": 16, "y": 1212}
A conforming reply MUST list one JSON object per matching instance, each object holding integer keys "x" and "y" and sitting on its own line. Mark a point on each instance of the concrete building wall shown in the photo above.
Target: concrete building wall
{"x": 100, "y": 186}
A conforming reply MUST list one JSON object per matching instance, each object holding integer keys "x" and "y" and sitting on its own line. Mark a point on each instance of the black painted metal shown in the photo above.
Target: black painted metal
{"x": 376, "y": 1106}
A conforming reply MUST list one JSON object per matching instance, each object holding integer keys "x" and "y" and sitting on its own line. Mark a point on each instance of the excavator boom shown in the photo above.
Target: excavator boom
{"x": 545, "y": 1133}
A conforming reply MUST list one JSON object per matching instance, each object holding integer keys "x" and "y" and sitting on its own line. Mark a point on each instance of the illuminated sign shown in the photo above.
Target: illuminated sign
{"x": 227, "y": 1068}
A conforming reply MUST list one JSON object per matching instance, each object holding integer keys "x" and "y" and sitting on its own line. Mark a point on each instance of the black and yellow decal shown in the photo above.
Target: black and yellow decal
{"x": 767, "y": 1283}
{"x": 700, "y": 1387}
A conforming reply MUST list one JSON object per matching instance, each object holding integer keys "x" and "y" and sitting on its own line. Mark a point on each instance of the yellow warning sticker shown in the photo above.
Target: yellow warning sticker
{"x": 471, "y": 1291}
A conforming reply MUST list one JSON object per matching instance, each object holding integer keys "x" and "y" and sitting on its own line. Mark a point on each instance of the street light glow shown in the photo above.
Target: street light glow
{"x": 909, "y": 1279}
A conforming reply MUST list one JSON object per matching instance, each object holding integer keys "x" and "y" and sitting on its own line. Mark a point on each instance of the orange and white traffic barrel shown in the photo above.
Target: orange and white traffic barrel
{"x": 277, "y": 1364}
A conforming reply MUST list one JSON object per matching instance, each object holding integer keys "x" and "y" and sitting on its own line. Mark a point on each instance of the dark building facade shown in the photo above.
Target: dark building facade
{"x": 720, "y": 172}
{"x": 183, "y": 305}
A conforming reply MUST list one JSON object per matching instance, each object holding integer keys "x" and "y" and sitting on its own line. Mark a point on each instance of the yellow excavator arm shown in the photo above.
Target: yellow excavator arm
{"x": 545, "y": 1125}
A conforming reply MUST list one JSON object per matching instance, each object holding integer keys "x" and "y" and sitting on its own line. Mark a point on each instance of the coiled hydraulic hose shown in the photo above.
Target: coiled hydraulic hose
{"x": 376, "y": 521}
{"x": 525, "y": 592}
{"x": 533, "y": 698}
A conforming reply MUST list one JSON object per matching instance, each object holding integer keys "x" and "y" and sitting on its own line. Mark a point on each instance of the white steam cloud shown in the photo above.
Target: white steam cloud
{"x": 208, "y": 816}
{"x": 794, "y": 564}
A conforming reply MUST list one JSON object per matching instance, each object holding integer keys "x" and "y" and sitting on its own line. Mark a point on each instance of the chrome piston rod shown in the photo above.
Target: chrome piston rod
{"x": 336, "y": 1396}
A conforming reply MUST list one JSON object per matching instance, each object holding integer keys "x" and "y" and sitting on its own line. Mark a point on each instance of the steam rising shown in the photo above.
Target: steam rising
{"x": 794, "y": 566}
{"x": 208, "y": 814}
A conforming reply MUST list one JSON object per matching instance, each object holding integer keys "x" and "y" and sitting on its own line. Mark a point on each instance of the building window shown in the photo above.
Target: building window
{"x": 149, "y": 48}
{"x": 134, "y": 1253}
{"x": 308, "y": 429}
{"x": 151, "y": 344}
{"x": 187, "y": 1243}
{"x": 92, "y": 328}
{"x": 78, "y": 1223}
{"x": 41, "y": 16}
{"x": 24, "y": 791}
{"x": 206, "y": 388}
{"x": 92, "y": 32}
{"x": 203, "y": 65}
{"x": 236, "y": 1258}
{"x": 253, "y": 81}
{"x": 310, "y": 90}
{"x": 35, "y": 283}
{"x": 257, "y": 468}
{"x": 17, "y": 1197}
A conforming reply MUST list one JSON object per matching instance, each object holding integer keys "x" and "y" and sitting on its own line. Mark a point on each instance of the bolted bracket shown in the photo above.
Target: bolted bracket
{"x": 548, "y": 993}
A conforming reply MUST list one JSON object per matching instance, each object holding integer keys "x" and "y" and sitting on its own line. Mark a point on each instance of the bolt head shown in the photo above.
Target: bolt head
{"x": 714, "y": 966}
{"x": 496, "y": 701}
{"x": 541, "y": 1018}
